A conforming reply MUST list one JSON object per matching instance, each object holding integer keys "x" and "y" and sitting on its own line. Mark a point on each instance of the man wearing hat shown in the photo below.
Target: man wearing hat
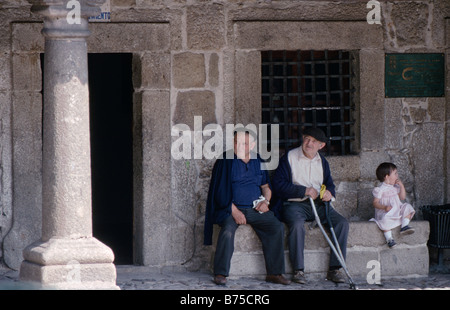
{"x": 301, "y": 173}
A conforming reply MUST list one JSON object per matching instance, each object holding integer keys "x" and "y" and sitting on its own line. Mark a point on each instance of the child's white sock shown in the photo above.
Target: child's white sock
{"x": 405, "y": 222}
{"x": 388, "y": 235}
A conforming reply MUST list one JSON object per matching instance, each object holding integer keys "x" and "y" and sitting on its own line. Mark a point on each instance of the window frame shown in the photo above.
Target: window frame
{"x": 300, "y": 66}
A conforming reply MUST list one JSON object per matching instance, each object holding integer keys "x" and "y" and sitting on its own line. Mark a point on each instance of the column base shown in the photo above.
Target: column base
{"x": 83, "y": 263}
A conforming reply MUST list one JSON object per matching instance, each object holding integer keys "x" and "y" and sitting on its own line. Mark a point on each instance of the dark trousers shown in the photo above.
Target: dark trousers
{"x": 269, "y": 230}
{"x": 294, "y": 214}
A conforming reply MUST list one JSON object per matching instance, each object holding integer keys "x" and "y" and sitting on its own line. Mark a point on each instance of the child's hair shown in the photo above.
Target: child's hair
{"x": 385, "y": 169}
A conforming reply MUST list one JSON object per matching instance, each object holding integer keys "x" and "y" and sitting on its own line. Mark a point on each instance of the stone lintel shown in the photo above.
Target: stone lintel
{"x": 292, "y": 35}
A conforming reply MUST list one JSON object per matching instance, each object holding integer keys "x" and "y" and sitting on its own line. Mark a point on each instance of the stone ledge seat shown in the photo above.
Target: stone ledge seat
{"x": 366, "y": 243}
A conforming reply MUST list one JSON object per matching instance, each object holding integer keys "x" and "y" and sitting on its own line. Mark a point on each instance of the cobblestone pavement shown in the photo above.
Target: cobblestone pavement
{"x": 177, "y": 280}
{"x": 144, "y": 278}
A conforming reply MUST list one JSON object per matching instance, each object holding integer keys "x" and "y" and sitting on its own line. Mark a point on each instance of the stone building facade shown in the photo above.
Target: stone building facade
{"x": 203, "y": 58}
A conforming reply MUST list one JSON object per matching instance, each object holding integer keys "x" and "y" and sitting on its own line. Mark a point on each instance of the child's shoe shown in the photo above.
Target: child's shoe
{"x": 391, "y": 243}
{"x": 406, "y": 230}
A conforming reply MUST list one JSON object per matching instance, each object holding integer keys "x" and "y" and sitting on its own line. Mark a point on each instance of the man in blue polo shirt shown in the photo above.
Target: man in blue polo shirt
{"x": 237, "y": 182}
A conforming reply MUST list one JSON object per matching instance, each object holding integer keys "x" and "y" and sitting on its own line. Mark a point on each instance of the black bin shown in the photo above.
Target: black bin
{"x": 439, "y": 218}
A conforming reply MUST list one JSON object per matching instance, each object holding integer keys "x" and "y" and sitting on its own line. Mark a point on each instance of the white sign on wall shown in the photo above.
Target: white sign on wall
{"x": 105, "y": 14}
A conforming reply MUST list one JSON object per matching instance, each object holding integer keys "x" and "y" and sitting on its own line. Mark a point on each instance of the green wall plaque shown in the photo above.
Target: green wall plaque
{"x": 414, "y": 75}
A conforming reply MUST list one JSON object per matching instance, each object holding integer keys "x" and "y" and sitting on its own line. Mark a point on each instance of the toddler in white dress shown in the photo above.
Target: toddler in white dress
{"x": 390, "y": 211}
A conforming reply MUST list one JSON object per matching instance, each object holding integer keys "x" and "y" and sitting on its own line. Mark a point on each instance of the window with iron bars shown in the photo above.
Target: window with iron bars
{"x": 303, "y": 89}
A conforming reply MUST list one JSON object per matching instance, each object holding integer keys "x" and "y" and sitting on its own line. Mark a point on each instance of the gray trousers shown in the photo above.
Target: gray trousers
{"x": 269, "y": 230}
{"x": 294, "y": 214}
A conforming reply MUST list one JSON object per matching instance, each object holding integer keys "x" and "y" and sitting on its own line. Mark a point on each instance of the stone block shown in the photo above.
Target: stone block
{"x": 358, "y": 258}
{"x": 428, "y": 164}
{"x": 151, "y": 71}
{"x": 129, "y": 37}
{"x": 345, "y": 167}
{"x": 314, "y": 239}
{"x": 229, "y": 85}
{"x": 372, "y": 106}
{"x": 87, "y": 277}
{"x": 152, "y": 183}
{"x": 248, "y": 88}
{"x": 26, "y": 175}
{"x": 245, "y": 263}
{"x": 410, "y": 21}
{"x": 195, "y": 103}
{"x": 447, "y": 164}
{"x": 365, "y": 199}
{"x": 27, "y": 37}
{"x": 368, "y": 233}
{"x": 346, "y": 198}
{"x": 123, "y": 3}
{"x": 183, "y": 208}
{"x": 7, "y": 157}
{"x": 213, "y": 76}
{"x": 316, "y": 261}
{"x": 205, "y": 27}
{"x": 369, "y": 163}
{"x": 189, "y": 70}
{"x": 404, "y": 261}
{"x": 252, "y": 263}
{"x": 394, "y": 130}
{"x": 447, "y": 35}
{"x": 27, "y": 72}
{"x": 5, "y": 71}
{"x": 364, "y": 234}
{"x": 403, "y": 162}
{"x": 436, "y": 109}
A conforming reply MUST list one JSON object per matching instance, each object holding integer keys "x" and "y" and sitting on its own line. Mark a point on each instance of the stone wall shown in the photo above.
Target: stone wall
{"x": 202, "y": 58}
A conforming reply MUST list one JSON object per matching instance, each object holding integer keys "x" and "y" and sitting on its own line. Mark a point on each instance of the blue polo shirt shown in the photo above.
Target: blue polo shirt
{"x": 247, "y": 179}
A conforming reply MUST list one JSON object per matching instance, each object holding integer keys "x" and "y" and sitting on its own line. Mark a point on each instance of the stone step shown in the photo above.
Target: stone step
{"x": 366, "y": 251}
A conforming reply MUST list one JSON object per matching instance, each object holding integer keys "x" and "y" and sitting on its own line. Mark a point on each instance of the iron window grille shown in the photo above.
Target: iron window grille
{"x": 303, "y": 89}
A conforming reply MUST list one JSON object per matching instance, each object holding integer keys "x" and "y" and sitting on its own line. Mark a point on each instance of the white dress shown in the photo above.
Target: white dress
{"x": 388, "y": 196}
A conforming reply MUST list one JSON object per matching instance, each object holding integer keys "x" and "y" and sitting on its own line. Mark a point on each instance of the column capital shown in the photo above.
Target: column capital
{"x": 60, "y": 8}
{"x": 66, "y": 18}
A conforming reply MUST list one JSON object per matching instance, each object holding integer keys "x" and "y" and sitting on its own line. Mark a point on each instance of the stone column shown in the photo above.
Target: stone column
{"x": 67, "y": 256}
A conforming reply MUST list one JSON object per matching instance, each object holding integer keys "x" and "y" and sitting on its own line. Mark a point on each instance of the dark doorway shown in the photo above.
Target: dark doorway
{"x": 111, "y": 112}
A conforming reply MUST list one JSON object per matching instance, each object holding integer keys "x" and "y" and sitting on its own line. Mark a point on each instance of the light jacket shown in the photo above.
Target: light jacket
{"x": 283, "y": 188}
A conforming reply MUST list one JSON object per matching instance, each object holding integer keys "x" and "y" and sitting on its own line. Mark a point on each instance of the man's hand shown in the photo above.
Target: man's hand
{"x": 237, "y": 215}
{"x": 327, "y": 196}
{"x": 262, "y": 206}
{"x": 311, "y": 192}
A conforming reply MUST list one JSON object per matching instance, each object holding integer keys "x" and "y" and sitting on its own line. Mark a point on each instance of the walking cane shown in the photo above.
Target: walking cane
{"x": 336, "y": 249}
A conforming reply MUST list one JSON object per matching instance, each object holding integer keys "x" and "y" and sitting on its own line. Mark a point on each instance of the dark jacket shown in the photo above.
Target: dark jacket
{"x": 220, "y": 194}
{"x": 283, "y": 188}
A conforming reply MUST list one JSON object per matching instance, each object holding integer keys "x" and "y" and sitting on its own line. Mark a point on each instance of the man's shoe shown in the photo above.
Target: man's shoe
{"x": 220, "y": 279}
{"x": 299, "y": 277}
{"x": 278, "y": 279}
{"x": 407, "y": 230}
{"x": 335, "y": 276}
